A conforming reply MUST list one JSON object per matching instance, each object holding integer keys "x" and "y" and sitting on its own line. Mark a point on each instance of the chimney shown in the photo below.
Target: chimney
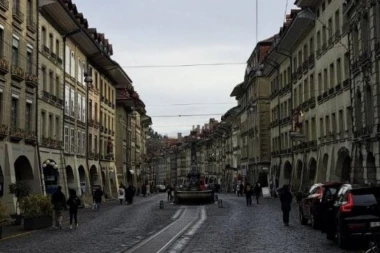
{"x": 193, "y": 127}
{"x": 179, "y": 136}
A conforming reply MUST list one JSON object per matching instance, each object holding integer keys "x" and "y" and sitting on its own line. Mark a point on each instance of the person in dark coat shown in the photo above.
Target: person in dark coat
{"x": 257, "y": 191}
{"x": 58, "y": 201}
{"x": 286, "y": 201}
{"x": 73, "y": 202}
{"x": 129, "y": 194}
{"x": 248, "y": 194}
{"x": 143, "y": 190}
{"x": 98, "y": 198}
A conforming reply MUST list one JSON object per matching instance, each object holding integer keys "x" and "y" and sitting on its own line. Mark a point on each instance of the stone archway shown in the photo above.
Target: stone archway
{"x": 70, "y": 178}
{"x": 82, "y": 179}
{"x": 287, "y": 171}
{"x": 94, "y": 176}
{"x": 23, "y": 169}
{"x": 371, "y": 168}
{"x": 343, "y": 165}
{"x": 323, "y": 168}
{"x": 51, "y": 175}
{"x": 312, "y": 171}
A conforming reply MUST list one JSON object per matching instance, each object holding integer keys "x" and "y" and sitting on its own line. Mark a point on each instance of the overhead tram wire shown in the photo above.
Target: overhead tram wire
{"x": 186, "y": 115}
{"x": 186, "y": 65}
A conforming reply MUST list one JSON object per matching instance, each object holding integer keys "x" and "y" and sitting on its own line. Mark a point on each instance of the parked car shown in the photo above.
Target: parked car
{"x": 355, "y": 214}
{"x": 312, "y": 206}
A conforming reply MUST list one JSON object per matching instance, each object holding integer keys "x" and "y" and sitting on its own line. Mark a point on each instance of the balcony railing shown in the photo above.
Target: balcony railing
{"x": 17, "y": 134}
{"x": 31, "y": 80}
{"x": 4, "y": 5}
{"x": 311, "y": 60}
{"x": 17, "y": 14}
{"x": 18, "y": 74}
{"x": 3, "y": 131}
{"x": 31, "y": 138}
{"x": 4, "y": 66}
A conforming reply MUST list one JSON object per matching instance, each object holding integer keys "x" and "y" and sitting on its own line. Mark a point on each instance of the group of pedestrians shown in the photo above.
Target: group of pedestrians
{"x": 249, "y": 192}
{"x": 60, "y": 204}
{"x": 126, "y": 193}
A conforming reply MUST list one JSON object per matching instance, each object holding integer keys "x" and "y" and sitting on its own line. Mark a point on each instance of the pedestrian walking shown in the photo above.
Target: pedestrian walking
{"x": 257, "y": 191}
{"x": 129, "y": 194}
{"x": 286, "y": 201}
{"x": 121, "y": 194}
{"x": 248, "y": 194}
{"x": 169, "y": 191}
{"x": 58, "y": 200}
{"x": 98, "y": 194}
{"x": 73, "y": 202}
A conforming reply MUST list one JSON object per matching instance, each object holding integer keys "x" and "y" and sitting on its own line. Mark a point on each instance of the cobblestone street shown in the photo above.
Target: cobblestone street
{"x": 233, "y": 228}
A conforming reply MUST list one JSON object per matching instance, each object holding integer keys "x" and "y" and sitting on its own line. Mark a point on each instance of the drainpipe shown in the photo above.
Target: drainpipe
{"x": 88, "y": 83}
{"x": 42, "y": 176}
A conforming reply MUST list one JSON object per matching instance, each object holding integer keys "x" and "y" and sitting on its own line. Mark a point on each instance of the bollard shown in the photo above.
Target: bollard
{"x": 220, "y": 203}
{"x": 161, "y": 204}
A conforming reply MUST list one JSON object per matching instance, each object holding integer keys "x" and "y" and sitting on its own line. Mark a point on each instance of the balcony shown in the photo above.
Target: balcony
{"x": 346, "y": 83}
{"x": 53, "y": 56}
{"x": 31, "y": 138}
{"x": 331, "y": 40}
{"x": 319, "y": 98}
{"x": 337, "y": 34}
{"x": 324, "y": 47}
{"x": 45, "y": 49}
{"x": 60, "y": 61}
{"x": 17, "y": 134}
{"x": 355, "y": 68}
{"x": 17, "y": 14}
{"x": 3, "y": 131}
{"x": 338, "y": 87}
{"x": 364, "y": 58}
{"x": 31, "y": 25}
{"x": 45, "y": 95}
{"x": 91, "y": 122}
{"x": 299, "y": 72}
{"x": 305, "y": 66}
{"x": 18, "y": 74}
{"x": 294, "y": 77}
{"x": 324, "y": 95}
{"x": 4, "y": 66}
{"x": 4, "y": 5}
{"x": 312, "y": 102}
{"x": 331, "y": 91}
{"x": 31, "y": 80}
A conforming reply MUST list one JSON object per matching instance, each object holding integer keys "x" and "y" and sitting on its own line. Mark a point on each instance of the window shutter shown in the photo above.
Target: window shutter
{"x": 67, "y": 60}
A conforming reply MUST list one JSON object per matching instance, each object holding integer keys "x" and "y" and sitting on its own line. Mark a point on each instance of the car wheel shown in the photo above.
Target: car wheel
{"x": 314, "y": 223}
{"x": 340, "y": 239}
{"x": 303, "y": 220}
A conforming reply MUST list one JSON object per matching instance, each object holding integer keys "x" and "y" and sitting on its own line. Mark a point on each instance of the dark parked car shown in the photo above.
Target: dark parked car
{"x": 354, "y": 214}
{"x": 312, "y": 206}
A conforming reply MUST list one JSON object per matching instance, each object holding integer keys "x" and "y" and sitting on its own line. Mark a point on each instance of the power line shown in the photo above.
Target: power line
{"x": 185, "y": 115}
{"x": 185, "y": 104}
{"x": 185, "y": 65}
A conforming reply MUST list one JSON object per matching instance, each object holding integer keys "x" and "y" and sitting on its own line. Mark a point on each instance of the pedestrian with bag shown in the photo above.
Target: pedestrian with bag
{"x": 121, "y": 194}
{"x": 98, "y": 198}
{"x": 73, "y": 202}
{"x": 286, "y": 201}
{"x": 248, "y": 194}
{"x": 58, "y": 200}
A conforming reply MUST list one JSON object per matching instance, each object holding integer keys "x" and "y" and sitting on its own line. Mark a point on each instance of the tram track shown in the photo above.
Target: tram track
{"x": 175, "y": 236}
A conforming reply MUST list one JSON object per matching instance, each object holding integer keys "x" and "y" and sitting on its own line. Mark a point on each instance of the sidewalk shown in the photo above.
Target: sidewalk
{"x": 84, "y": 214}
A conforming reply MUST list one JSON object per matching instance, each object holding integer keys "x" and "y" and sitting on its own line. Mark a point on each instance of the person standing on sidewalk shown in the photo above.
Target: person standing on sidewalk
{"x": 248, "y": 194}
{"x": 121, "y": 194}
{"x": 257, "y": 191}
{"x": 73, "y": 202}
{"x": 98, "y": 198}
{"x": 58, "y": 200}
{"x": 286, "y": 201}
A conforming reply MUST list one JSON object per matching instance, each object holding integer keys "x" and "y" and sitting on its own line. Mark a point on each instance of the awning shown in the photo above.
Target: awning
{"x": 299, "y": 26}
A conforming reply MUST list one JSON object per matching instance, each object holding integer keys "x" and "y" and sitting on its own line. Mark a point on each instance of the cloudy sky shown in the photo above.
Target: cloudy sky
{"x": 177, "y": 32}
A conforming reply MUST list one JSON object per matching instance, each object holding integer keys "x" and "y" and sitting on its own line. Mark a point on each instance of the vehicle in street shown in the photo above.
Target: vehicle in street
{"x": 161, "y": 188}
{"x": 315, "y": 201}
{"x": 355, "y": 213}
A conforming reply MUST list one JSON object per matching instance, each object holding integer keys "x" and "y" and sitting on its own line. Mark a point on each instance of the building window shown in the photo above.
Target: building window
{"x": 312, "y": 86}
{"x": 1, "y": 42}
{"x": 43, "y": 36}
{"x": 14, "y": 113}
{"x": 90, "y": 109}
{"x": 83, "y": 143}
{"x": 15, "y": 48}
{"x": 366, "y": 38}
{"x": 67, "y": 140}
{"x": 333, "y": 123}
{"x": 96, "y": 111}
{"x": 83, "y": 72}
{"x": 51, "y": 43}
{"x": 79, "y": 106}
{"x": 325, "y": 80}
{"x": 327, "y": 121}
{"x": 313, "y": 129}
{"x": 321, "y": 127}
{"x": 51, "y": 82}
{"x": 79, "y": 73}
{"x": 57, "y": 49}
{"x": 311, "y": 46}
{"x": 339, "y": 71}
{"x": 337, "y": 23}
{"x": 57, "y": 87}
{"x": 57, "y": 128}
{"x": 72, "y": 65}
{"x": 341, "y": 121}
{"x": 306, "y": 89}
{"x": 369, "y": 106}
{"x": 358, "y": 111}
{"x": 330, "y": 30}
{"x": 67, "y": 101}
{"x": 44, "y": 78}
{"x": 43, "y": 124}
{"x": 29, "y": 60}
{"x": 29, "y": 11}
{"x": 79, "y": 143}
{"x": 51, "y": 126}
{"x": 96, "y": 144}
{"x": 28, "y": 117}
{"x": 332, "y": 75}
{"x": 84, "y": 109}
{"x": 72, "y": 99}
{"x": 90, "y": 142}
{"x": 67, "y": 60}
{"x": 348, "y": 118}
{"x": 320, "y": 86}
{"x": 346, "y": 66}
{"x": 72, "y": 140}
{"x": 319, "y": 41}
{"x": 377, "y": 25}
{"x": 355, "y": 42}
{"x": 324, "y": 37}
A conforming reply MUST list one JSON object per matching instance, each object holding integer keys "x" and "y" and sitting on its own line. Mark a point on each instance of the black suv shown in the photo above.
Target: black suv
{"x": 354, "y": 213}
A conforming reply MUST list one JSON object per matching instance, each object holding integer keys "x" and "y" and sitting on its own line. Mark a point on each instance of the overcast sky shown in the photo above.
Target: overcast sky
{"x": 175, "y": 32}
